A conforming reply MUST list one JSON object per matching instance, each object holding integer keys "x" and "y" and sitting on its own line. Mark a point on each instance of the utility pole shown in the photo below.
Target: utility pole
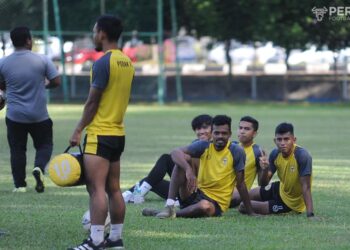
{"x": 174, "y": 34}
{"x": 102, "y": 7}
{"x": 161, "y": 78}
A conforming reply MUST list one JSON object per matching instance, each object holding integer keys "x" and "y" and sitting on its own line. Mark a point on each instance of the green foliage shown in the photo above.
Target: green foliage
{"x": 52, "y": 220}
{"x": 290, "y": 24}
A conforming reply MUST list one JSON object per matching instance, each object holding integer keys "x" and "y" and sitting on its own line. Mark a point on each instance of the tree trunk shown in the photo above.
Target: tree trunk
{"x": 228, "y": 60}
{"x": 285, "y": 78}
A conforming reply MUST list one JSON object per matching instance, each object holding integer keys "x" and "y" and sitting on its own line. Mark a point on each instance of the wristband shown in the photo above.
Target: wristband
{"x": 310, "y": 214}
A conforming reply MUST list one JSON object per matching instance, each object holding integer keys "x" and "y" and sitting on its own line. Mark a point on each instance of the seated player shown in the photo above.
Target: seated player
{"x": 221, "y": 168}
{"x": 155, "y": 181}
{"x": 293, "y": 165}
{"x": 256, "y": 162}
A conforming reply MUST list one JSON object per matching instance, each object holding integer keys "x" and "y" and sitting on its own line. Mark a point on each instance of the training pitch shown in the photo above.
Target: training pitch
{"x": 52, "y": 220}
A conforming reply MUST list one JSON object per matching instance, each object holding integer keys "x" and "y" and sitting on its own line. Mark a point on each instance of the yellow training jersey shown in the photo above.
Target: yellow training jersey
{"x": 217, "y": 170}
{"x": 289, "y": 170}
{"x": 112, "y": 73}
{"x": 252, "y": 154}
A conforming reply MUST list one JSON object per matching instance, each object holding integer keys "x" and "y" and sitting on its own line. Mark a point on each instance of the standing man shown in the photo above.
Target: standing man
{"x": 256, "y": 162}
{"x": 22, "y": 76}
{"x": 294, "y": 169}
{"x": 221, "y": 169}
{"x": 104, "y": 142}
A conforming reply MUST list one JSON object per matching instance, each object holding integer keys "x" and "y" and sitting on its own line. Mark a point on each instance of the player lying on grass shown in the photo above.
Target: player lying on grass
{"x": 154, "y": 181}
{"x": 221, "y": 168}
{"x": 293, "y": 165}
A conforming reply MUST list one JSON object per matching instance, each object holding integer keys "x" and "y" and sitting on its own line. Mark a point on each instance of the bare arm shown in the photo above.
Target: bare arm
{"x": 181, "y": 158}
{"x": 264, "y": 175}
{"x": 306, "y": 188}
{"x": 243, "y": 192}
{"x": 89, "y": 112}
{"x": 55, "y": 82}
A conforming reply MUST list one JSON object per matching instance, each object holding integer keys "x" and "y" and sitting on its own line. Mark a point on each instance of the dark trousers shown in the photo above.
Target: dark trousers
{"x": 17, "y": 137}
{"x": 155, "y": 178}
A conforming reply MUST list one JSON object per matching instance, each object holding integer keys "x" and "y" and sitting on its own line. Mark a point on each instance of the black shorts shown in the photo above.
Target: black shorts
{"x": 271, "y": 193}
{"x": 196, "y": 197}
{"x": 108, "y": 147}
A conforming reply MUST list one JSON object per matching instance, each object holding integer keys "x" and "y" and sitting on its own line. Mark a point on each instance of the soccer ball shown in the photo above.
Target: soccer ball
{"x": 86, "y": 222}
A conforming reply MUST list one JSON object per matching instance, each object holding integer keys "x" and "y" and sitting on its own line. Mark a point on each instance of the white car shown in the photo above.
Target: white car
{"x": 243, "y": 54}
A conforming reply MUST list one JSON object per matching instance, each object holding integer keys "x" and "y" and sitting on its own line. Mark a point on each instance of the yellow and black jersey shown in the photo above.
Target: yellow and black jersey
{"x": 217, "y": 170}
{"x": 112, "y": 73}
{"x": 289, "y": 170}
{"x": 252, "y": 163}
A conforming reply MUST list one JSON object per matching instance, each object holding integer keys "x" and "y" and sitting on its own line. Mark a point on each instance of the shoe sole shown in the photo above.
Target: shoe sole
{"x": 150, "y": 213}
{"x": 166, "y": 216}
{"x": 39, "y": 187}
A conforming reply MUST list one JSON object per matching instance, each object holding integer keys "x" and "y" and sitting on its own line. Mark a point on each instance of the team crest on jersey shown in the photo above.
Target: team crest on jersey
{"x": 224, "y": 161}
{"x": 292, "y": 168}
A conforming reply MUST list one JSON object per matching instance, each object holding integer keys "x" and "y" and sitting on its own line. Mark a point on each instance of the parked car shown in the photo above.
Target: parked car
{"x": 311, "y": 56}
{"x": 83, "y": 52}
{"x": 243, "y": 53}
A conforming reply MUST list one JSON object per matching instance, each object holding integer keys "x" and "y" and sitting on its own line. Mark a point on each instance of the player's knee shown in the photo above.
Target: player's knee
{"x": 112, "y": 189}
{"x": 241, "y": 208}
{"x": 206, "y": 207}
{"x": 94, "y": 189}
{"x": 165, "y": 157}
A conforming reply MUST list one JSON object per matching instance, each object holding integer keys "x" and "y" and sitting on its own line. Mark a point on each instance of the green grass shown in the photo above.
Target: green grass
{"x": 52, "y": 220}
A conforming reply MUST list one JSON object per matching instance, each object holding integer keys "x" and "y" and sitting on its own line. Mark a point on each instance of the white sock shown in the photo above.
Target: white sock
{"x": 126, "y": 193}
{"x": 145, "y": 188}
{"x": 170, "y": 202}
{"x": 115, "y": 232}
{"x": 97, "y": 234}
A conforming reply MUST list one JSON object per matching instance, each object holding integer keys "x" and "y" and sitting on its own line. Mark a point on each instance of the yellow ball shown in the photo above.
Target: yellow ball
{"x": 65, "y": 170}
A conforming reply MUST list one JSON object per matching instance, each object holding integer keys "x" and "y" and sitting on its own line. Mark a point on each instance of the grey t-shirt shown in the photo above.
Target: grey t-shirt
{"x": 24, "y": 74}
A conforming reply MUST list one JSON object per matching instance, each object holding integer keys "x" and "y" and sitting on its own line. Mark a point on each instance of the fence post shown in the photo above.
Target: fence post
{"x": 161, "y": 78}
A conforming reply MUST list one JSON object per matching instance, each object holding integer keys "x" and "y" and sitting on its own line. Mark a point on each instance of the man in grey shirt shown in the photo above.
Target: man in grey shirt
{"x": 22, "y": 76}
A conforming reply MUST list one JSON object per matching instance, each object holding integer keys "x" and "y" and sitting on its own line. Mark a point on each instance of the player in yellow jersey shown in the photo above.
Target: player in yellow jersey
{"x": 221, "y": 168}
{"x": 293, "y": 165}
{"x": 256, "y": 161}
{"x": 104, "y": 142}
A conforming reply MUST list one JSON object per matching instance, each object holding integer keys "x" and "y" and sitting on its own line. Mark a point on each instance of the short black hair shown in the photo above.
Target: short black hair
{"x": 111, "y": 25}
{"x": 251, "y": 120}
{"x": 19, "y": 36}
{"x": 220, "y": 120}
{"x": 201, "y": 120}
{"x": 284, "y": 127}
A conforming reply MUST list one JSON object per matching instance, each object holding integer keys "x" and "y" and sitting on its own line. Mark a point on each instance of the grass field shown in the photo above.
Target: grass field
{"x": 52, "y": 220}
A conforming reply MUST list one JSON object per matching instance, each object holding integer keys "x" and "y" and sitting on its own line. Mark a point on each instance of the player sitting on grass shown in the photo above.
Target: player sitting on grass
{"x": 256, "y": 162}
{"x": 221, "y": 168}
{"x": 294, "y": 169}
{"x": 154, "y": 181}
